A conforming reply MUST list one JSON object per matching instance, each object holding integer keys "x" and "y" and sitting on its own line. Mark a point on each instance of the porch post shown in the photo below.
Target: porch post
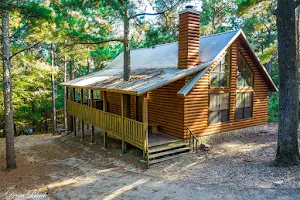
{"x": 67, "y": 121}
{"x": 70, "y": 117}
{"x": 145, "y": 125}
{"x": 105, "y": 110}
{"x": 82, "y": 123}
{"x": 122, "y": 124}
{"x": 74, "y": 118}
{"x": 93, "y": 128}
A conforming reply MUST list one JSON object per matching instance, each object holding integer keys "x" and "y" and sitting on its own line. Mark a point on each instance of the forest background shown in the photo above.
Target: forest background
{"x": 66, "y": 39}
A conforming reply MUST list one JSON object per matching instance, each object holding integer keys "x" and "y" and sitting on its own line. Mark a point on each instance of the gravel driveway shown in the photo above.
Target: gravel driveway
{"x": 55, "y": 167}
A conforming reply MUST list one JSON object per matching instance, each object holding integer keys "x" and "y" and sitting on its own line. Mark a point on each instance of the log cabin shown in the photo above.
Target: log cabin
{"x": 177, "y": 92}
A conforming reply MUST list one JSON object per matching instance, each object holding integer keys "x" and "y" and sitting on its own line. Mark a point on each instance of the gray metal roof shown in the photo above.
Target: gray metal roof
{"x": 141, "y": 80}
{"x": 154, "y": 67}
{"x": 166, "y": 55}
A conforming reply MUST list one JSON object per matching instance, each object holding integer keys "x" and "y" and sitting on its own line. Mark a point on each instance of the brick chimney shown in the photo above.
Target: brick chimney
{"x": 188, "y": 38}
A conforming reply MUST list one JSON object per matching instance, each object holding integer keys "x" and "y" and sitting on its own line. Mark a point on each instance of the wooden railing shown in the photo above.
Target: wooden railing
{"x": 192, "y": 139}
{"x": 129, "y": 130}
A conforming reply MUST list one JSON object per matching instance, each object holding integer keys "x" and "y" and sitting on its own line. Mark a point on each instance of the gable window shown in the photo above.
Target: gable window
{"x": 243, "y": 105}
{"x": 219, "y": 107}
{"x": 219, "y": 76}
{"x": 245, "y": 75}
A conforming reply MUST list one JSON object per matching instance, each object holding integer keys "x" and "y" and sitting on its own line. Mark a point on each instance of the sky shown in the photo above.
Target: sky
{"x": 195, "y": 3}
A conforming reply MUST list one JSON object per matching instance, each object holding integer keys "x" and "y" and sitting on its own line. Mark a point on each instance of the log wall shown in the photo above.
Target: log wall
{"x": 166, "y": 108}
{"x": 114, "y": 104}
{"x": 196, "y": 103}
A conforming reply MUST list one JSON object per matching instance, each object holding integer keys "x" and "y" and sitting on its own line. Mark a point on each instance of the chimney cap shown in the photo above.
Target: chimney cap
{"x": 189, "y": 8}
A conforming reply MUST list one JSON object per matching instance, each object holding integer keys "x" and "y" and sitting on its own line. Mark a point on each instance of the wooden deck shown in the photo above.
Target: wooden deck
{"x": 155, "y": 139}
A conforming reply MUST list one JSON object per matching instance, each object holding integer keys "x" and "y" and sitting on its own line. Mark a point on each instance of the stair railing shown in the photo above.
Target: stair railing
{"x": 192, "y": 139}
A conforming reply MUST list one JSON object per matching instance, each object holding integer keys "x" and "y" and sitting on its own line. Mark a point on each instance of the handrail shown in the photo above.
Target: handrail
{"x": 193, "y": 137}
{"x": 127, "y": 129}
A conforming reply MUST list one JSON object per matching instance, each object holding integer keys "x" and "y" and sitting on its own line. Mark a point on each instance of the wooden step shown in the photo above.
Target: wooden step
{"x": 180, "y": 141}
{"x": 151, "y": 162}
{"x": 166, "y": 153}
{"x": 165, "y": 148}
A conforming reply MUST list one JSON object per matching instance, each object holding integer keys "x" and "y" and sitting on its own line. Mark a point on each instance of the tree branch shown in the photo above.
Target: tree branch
{"x": 97, "y": 42}
{"x": 25, "y": 49}
{"x": 158, "y": 13}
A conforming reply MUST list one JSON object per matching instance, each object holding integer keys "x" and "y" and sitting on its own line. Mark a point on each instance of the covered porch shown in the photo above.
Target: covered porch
{"x": 122, "y": 127}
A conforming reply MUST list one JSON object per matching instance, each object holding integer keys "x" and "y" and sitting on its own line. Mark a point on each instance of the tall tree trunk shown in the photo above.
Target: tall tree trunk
{"x": 53, "y": 91}
{"x": 126, "y": 44}
{"x": 287, "y": 144}
{"x": 72, "y": 68}
{"x": 7, "y": 93}
{"x": 298, "y": 39}
{"x": 65, "y": 96}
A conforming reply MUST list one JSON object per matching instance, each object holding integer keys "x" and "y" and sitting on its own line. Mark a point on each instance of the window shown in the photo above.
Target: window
{"x": 219, "y": 107}
{"x": 243, "y": 105}
{"x": 219, "y": 76}
{"x": 245, "y": 75}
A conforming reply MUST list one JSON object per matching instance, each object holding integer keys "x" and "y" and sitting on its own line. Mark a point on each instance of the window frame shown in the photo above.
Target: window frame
{"x": 219, "y": 110}
{"x": 229, "y": 54}
{"x": 244, "y": 107}
{"x": 240, "y": 55}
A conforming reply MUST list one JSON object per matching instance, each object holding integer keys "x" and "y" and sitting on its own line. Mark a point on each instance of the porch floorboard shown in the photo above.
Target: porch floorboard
{"x": 160, "y": 138}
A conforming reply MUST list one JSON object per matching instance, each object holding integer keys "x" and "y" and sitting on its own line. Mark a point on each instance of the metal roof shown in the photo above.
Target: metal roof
{"x": 141, "y": 80}
{"x": 154, "y": 67}
{"x": 166, "y": 55}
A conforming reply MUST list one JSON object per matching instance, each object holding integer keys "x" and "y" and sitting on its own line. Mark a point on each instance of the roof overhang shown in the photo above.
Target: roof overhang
{"x": 141, "y": 86}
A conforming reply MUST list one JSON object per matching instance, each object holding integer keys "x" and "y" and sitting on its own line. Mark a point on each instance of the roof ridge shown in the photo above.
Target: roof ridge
{"x": 152, "y": 47}
{"x": 226, "y": 32}
{"x": 205, "y": 36}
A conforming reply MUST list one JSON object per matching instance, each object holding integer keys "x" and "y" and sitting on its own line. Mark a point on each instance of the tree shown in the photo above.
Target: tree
{"x": 287, "y": 144}
{"x": 53, "y": 91}
{"x": 128, "y": 11}
{"x": 7, "y": 91}
{"x": 27, "y": 9}
{"x": 217, "y": 16}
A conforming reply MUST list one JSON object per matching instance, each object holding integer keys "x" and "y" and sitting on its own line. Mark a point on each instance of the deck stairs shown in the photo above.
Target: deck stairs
{"x": 167, "y": 151}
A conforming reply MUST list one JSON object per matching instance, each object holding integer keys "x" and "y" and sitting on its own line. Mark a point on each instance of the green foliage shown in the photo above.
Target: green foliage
{"x": 78, "y": 28}
{"x": 217, "y": 16}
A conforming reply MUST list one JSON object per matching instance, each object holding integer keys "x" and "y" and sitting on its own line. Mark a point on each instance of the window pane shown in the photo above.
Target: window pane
{"x": 249, "y": 80}
{"x": 219, "y": 76}
{"x": 219, "y": 107}
{"x": 247, "y": 112}
{"x": 214, "y": 79}
{"x": 213, "y": 116}
{"x": 239, "y": 100}
{"x": 248, "y": 99}
{"x": 223, "y": 80}
{"x": 243, "y": 105}
{"x": 213, "y": 104}
{"x": 239, "y": 113}
{"x": 240, "y": 82}
{"x": 217, "y": 68}
{"x": 245, "y": 75}
{"x": 224, "y": 115}
{"x": 224, "y": 101}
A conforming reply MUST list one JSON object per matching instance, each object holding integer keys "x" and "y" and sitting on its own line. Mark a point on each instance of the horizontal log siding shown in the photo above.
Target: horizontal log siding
{"x": 114, "y": 104}
{"x": 166, "y": 108}
{"x": 196, "y": 103}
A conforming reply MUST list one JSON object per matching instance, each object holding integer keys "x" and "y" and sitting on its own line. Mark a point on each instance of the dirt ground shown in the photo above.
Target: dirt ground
{"x": 63, "y": 167}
